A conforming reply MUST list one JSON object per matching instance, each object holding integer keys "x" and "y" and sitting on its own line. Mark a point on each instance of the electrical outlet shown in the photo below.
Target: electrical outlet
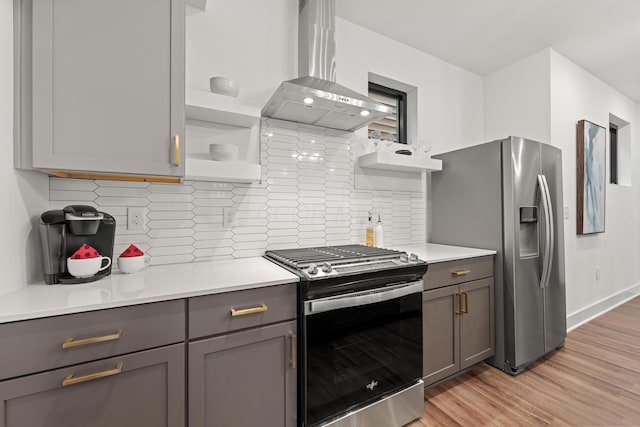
{"x": 597, "y": 273}
{"x": 566, "y": 212}
{"x": 135, "y": 218}
{"x": 228, "y": 217}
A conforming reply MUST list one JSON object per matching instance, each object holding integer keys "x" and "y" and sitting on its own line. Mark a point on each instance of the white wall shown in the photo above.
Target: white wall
{"x": 24, "y": 194}
{"x": 517, "y": 100}
{"x": 636, "y": 180}
{"x": 260, "y": 51}
{"x": 255, "y": 43}
{"x": 306, "y": 198}
{"x": 542, "y": 97}
{"x": 449, "y": 97}
{"x": 252, "y": 42}
{"x": 575, "y": 95}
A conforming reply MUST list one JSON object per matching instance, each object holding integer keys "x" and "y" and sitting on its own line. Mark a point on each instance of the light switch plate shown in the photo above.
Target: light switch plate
{"x": 566, "y": 212}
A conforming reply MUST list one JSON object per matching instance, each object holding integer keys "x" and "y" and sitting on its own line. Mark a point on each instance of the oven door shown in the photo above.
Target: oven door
{"x": 360, "y": 347}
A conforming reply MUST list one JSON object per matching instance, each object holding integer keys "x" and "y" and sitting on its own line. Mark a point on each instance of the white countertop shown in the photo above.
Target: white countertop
{"x": 433, "y": 253}
{"x": 166, "y": 282}
{"x": 155, "y": 283}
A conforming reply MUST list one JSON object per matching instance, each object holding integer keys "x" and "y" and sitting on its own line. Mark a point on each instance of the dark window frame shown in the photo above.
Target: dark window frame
{"x": 613, "y": 153}
{"x": 401, "y": 111}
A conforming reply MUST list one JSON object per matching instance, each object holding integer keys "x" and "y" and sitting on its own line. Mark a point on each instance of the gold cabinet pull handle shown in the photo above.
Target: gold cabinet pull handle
{"x": 72, "y": 342}
{"x": 466, "y": 302}
{"x": 176, "y": 159}
{"x": 294, "y": 350}
{"x": 252, "y": 310}
{"x": 71, "y": 380}
{"x": 459, "y": 296}
{"x": 460, "y": 272}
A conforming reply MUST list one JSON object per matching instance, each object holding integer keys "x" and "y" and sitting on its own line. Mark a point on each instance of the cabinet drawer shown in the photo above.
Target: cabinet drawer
{"x": 458, "y": 271}
{"x": 139, "y": 389}
{"x": 220, "y": 313}
{"x": 42, "y": 344}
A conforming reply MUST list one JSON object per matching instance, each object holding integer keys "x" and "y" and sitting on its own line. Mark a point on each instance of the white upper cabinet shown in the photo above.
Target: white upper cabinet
{"x": 101, "y": 86}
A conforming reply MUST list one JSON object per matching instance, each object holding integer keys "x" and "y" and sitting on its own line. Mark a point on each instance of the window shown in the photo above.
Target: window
{"x": 394, "y": 126}
{"x": 620, "y": 164}
{"x": 613, "y": 153}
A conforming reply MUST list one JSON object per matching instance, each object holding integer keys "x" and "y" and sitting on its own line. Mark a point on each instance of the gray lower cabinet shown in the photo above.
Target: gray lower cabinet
{"x": 145, "y": 388}
{"x": 477, "y": 323}
{"x": 244, "y": 379}
{"x": 441, "y": 334}
{"x": 120, "y": 367}
{"x": 128, "y": 366}
{"x": 101, "y": 85}
{"x": 40, "y": 345}
{"x": 242, "y": 358}
{"x": 458, "y": 325}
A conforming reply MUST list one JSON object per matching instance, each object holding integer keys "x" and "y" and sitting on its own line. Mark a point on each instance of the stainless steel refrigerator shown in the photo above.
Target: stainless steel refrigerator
{"x": 506, "y": 195}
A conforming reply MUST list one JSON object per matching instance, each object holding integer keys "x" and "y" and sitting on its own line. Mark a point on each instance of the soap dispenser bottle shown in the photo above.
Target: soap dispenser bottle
{"x": 369, "y": 240}
{"x": 379, "y": 234}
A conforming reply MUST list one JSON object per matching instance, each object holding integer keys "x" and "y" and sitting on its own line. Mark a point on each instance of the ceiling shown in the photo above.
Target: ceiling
{"x": 602, "y": 36}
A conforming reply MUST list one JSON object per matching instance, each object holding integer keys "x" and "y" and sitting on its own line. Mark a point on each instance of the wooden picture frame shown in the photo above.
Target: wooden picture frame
{"x": 591, "y": 166}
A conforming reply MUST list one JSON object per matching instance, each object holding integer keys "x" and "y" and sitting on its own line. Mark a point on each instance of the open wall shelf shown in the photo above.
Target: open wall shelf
{"x": 214, "y": 108}
{"x": 223, "y": 119}
{"x": 399, "y": 162}
{"x": 211, "y": 170}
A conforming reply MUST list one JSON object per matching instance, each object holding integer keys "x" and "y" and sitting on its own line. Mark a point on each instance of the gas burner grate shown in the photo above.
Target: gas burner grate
{"x": 303, "y": 257}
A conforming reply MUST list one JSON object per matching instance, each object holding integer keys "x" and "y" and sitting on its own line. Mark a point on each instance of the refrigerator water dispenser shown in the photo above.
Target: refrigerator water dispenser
{"x": 528, "y": 232}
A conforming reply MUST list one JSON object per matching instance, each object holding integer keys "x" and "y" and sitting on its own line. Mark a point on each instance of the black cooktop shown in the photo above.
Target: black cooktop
{"x": 303, "y": 257}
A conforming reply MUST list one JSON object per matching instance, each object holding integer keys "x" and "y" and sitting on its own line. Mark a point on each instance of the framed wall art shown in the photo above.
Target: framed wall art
{"x": 590, "y": 177}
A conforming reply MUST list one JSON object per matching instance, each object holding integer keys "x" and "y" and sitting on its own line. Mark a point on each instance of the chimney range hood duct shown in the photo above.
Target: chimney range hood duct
{"x": 315, "y": 98}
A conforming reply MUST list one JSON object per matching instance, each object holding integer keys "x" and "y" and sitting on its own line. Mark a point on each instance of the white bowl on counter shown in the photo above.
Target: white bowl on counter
{"x": 223, "y": 86}
{"x": 223, "y": 152}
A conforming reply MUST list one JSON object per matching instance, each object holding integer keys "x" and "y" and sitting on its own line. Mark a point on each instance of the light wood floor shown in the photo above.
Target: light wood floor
{"x": 594, "y": 380}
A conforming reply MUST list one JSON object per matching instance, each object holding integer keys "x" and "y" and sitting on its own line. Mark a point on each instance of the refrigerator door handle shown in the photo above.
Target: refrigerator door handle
{"x": 545, "y": 197}
{"x": 550, "y": 222}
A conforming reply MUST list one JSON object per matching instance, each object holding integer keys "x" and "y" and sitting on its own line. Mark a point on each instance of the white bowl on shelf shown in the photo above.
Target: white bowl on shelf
{"x": 223, "y": 86}
{"x": 223, "y": 152}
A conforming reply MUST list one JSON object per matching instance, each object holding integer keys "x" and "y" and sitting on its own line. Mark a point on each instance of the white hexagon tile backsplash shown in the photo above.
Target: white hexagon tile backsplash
{"x": 306, "y": 198}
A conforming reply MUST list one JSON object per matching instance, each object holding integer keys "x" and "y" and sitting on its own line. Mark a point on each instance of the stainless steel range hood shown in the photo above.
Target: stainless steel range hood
{"x": 315, "y": 98}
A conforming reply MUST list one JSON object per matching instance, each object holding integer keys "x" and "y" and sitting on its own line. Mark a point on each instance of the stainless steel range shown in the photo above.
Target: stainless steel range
{"x": 360, "y": 323}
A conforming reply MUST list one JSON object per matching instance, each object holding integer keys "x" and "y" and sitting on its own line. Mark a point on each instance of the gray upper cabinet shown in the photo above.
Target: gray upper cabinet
{"x": 107, "y": 85}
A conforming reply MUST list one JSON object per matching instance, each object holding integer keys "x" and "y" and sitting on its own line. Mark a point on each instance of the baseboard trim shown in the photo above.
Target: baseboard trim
{"x": 598, "y": 308}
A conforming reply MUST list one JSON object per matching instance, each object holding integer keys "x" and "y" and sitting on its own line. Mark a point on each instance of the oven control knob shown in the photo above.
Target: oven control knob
{"x": 326, "y": 267}
{"x": 404, "y": 258}
{"x": 413, "y": 257}
{"x": 313, "y": 269}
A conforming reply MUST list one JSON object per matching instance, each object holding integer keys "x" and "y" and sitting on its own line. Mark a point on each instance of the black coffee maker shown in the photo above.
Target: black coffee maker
{"x": 62, "y": 232}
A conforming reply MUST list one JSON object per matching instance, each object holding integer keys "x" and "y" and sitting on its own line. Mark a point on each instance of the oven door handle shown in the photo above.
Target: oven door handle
{"x": 362, "y": 298}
